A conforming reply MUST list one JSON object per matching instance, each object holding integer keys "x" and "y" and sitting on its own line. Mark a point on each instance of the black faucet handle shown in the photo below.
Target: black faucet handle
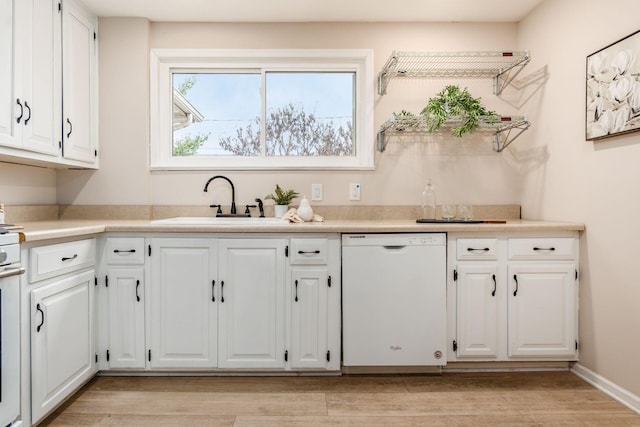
{"x": 219, "y": 211}
{"x": 247, "y": 211}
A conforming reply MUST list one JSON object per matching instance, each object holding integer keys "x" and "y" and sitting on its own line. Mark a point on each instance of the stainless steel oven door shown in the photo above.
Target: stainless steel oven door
{"x": 9, "y": 345}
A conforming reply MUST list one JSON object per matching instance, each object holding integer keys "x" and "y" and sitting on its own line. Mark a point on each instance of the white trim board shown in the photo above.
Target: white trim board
{"x": 618, "y": 393}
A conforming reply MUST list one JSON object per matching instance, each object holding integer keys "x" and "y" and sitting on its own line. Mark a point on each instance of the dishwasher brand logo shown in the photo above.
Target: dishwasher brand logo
{"x": 360, "y": 236}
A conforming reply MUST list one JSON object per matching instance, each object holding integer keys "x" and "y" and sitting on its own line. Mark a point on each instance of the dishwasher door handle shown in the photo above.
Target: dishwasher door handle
{"x": 394, "y": 247}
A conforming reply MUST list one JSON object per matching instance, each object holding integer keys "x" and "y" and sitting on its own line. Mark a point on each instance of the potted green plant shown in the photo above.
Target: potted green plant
{"x": 282, "y": 199}
{"x": 457, "y": 104}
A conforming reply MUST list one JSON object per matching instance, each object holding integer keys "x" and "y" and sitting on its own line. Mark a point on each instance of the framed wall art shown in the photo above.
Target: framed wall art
{"x": 613, "y": 89}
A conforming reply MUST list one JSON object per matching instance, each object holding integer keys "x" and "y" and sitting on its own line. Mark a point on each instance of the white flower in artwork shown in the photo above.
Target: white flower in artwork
{"x": 622, "y": 62}
{"x": 634, "y": 100}
{"x": 599, "y": 69}
{"x": 609, "y": 122}
{"x": 621, "y": 88}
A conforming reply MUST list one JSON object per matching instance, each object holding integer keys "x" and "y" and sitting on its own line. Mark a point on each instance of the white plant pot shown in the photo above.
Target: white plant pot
{"x": 280, "y": 210}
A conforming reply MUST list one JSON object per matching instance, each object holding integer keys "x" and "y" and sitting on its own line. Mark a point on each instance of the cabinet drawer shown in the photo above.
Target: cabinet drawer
{"x": 542, "y": 248}
{"x": 53, "y": 260}
{"x": 125, "y": 250}
{"x": 486, "y": 249}
{"x": 309, "y": 251}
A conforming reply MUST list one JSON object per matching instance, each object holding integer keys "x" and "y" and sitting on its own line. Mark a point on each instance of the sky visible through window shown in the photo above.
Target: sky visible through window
{"x": 317, "y": 107}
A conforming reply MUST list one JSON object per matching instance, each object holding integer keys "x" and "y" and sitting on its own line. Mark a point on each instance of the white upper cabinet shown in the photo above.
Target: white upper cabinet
{"x": 30, "y": 75}
{"x": 79, "y": 83}
{"x": 8, "y": 74}
{"x": 34, "y": 36}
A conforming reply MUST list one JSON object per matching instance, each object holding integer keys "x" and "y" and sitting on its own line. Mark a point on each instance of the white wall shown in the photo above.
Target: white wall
{"x": 467, "y": 172}
{"x": 591, "y": 182}
{"x": 27, "y": 185}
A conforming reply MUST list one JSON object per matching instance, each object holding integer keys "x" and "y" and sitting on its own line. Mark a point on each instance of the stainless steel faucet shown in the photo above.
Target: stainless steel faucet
{"x": 233, "y": 194}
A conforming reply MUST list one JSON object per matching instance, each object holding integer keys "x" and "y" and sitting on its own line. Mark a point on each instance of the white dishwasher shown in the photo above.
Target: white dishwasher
{"x": 394, "y": 299}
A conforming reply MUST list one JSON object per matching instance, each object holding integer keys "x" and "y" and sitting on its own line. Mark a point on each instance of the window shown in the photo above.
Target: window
{"x": 291, "y": 109}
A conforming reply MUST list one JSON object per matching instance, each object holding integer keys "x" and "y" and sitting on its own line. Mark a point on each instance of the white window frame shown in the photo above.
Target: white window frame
{"x": 164, "y": 61}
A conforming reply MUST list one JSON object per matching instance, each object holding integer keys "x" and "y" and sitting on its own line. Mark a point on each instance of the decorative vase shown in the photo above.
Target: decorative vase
{"x": 280, "y": 210}
{"x": 304, "y": 210}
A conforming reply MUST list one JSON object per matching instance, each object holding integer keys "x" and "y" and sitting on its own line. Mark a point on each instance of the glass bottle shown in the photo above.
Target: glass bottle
{"x": 429, "y": 202}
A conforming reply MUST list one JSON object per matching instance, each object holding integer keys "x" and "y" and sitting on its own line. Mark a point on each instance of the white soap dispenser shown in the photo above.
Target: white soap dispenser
{"x": 429, "y": 202}
{"x": 304, "y": 210}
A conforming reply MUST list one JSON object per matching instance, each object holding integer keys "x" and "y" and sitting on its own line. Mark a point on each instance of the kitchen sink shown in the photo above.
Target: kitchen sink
{"x": 196, "y": 220}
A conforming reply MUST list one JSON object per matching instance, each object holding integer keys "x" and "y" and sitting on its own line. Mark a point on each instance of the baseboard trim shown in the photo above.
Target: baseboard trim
{"x": 618, "y": 393}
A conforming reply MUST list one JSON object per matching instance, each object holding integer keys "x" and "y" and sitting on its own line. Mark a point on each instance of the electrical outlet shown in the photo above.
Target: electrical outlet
{"x": 354, "y": 191}
{"x": 316, "y": 192}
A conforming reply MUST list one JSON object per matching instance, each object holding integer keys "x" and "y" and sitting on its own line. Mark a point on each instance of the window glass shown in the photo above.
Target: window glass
{"x": 216, "y": 114}
{"x": 309, "y": 114}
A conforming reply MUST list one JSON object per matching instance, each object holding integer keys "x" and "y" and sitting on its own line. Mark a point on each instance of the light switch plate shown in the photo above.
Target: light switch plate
{"x": 354, "y": 191}
{"x": 316, "y": 192}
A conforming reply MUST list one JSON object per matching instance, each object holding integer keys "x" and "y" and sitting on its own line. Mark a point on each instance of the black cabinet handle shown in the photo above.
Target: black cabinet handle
{"x": 222, "y": 291}
{"x": 478, "y": 249}
{"x": 21, "y": 110}
{"x": 493, "y": 293}
{"x": 296, "y": 298}
{"x": 544, "y": 249}
{"x": 213, "y": 291}
{"x": 66, "y": 258}
{"x": 41, "y": 312}
{"x": 137, "y": 286}
{"x": 118, "y": 251}
{"x": 70, "y": 128}
{"x": 309, "y": 252}
{"x": 515, "y": 277}
{"x": 29, "y": 109}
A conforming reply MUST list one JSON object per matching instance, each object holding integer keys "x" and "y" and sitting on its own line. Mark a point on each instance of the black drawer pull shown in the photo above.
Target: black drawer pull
{"x": 478, "y": 249}
{"x": 309, "y": 252}
{"x": 118, "y": 251}
{"x": 544, "y": 249}
{"x": 69, "y": 258}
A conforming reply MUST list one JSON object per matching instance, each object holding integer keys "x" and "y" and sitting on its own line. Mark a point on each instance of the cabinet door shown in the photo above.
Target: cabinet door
{"x": 41, "y": 76}
{"x": 8, "y": 75}
{"x": 62, "y": 350}
{"x": 542, "y": 309}
{"x": 183, "y": 311}
{"x": 79, "y": 106}
{"x": 477, "y": 310}
{"x": 251, "y": 273}
{"x": 125, "y": 289}
{"x": 308, "y": 301}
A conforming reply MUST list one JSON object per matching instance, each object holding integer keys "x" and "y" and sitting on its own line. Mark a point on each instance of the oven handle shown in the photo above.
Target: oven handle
{"x": 11, "y": 272}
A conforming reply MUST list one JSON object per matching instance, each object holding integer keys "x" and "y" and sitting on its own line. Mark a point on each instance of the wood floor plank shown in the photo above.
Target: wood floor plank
{"x": 84, "y": 420}
{"x": 213, "y": 404}
{"x": 561, "y": 420}
{"x": 485, "y": 381}
{"x": 471, "y": 403}
{"x": 301, "y": 384}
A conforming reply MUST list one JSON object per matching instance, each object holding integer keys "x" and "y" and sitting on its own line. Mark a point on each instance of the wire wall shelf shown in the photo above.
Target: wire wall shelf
{"x": 503, "y": 67}
{"x": 505, "y": 129}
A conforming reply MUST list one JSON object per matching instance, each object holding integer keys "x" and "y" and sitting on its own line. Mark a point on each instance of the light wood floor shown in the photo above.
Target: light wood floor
{"x": 452, "y": 399}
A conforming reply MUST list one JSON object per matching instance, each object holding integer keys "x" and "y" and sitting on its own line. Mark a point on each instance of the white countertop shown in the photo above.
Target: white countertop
{"x": 44, "y": 230}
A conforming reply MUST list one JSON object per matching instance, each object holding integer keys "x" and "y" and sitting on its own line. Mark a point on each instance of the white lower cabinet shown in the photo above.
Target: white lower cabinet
{"x": 542, "y": 310}
{"x": 513, "y": 298}
{"x": 125, "y": 294}
{"x": 309, "y": 318}
{"x": 62, "y": 349}
{"x": 183, "y": 312}
{"x": 478, "y": 306}
{"x": 251, "y": 305}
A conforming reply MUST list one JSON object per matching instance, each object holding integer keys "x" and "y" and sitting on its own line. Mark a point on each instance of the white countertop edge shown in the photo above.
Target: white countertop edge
{"x": 45, "y": 230}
